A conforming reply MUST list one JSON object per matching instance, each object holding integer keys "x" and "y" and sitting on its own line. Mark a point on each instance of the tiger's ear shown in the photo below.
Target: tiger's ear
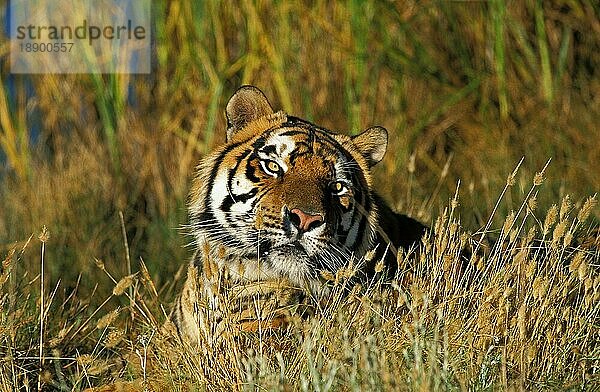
{"x": 247, "y": 104}
{"x": 372, "y": 144}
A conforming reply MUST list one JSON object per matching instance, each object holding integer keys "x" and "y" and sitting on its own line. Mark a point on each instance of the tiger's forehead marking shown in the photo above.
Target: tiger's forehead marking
{"x": 279, "y": 145}
{"x": 292, "y": 142}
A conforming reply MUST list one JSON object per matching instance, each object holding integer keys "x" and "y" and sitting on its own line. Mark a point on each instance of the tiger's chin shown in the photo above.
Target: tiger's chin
{"x": 290, "y": 261}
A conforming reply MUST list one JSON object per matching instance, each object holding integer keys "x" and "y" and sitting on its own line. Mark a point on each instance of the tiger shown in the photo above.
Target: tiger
{"x": 279, "y": 204}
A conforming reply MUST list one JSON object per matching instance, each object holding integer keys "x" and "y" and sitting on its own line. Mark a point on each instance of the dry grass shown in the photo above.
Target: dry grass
{"x": 465, "y": 88}
{"x": 523, "y": 315}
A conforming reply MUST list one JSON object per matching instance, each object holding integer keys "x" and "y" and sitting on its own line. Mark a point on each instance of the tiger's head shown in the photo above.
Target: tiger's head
{"x": 284, "y": 198}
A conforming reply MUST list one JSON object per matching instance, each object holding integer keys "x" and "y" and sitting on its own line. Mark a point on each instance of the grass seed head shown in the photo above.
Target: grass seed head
{"x": 412, "y": 163}
{"x": 550, "y": 218}
{"x": 84, "y": 360}
{"x": 531, "y": 268}
{"x": 540, "y": 287}
{"x": 113, "y": 338}
{"x": 147, "y": 279}
{"x": 169, "y": 329}
{"x": 582, "y": 271}
{"x": 327, "y": 275}
{"x": 538, "y": 179}
{"x": 192, "y": 273}
{"x": 513, "y": 235}
{"x": 531, "y": 352}
{"x": 565, "y": 207}
{"x": 6, "y": 263}
{"x": 566, "y": 289}
{"x": 521, "y": 257}
{"x": 222, "y": 252}
{"x": 453, "y": 228}
{"x": 566, "y": 313}
{"x": 588, "y": 300}
{"x": 123, "y": 285}
{"x": 100, "y": 264}
{"x": 241, "y": 269}
{"x": 532, "y": 203}
{"x": 107, "y": 319}
{"x": 508, "y": 292}
{"x": 508, "y": 222}
{"x": 522, "y": 321}
{"x": 370, "y": 255}
{"x": 530, "y": 236}
{"x": 587, "y": 208}
{"x": 379, "y": 266}
{"x": 44, "y": 235}
{"x": 576, "y": 261}
{"x": 447, "y": 263}
{"x": 454, "y": 203}
{"x": 440, "y": 222}
{"x": 480, "y": 263}
{"x": 568, "y": 238}
{"x": 347, "y": 272}
{"x": 559, "y": 231}
{"x": 510, "y": 180}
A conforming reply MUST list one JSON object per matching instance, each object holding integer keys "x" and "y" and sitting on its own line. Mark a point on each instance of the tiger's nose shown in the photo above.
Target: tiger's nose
{"x": 303, "y": 221}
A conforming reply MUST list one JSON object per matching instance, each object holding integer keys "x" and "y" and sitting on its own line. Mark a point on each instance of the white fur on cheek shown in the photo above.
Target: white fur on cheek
{"x": 218, "y": 193}
{"x": 241, "y": 185}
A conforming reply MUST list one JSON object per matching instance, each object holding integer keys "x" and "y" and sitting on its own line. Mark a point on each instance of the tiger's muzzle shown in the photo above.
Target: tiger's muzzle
{"x": 304, "y": 221}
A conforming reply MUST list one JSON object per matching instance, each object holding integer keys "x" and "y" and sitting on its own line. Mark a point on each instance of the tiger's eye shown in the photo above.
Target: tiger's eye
{"x": 273, "y": 166}
{"x": 339, "y": 188}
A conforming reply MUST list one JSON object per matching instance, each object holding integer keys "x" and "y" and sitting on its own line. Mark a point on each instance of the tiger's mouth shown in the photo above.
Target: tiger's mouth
{"x": 291, "y": 248}
{"x": 296, "y": 245}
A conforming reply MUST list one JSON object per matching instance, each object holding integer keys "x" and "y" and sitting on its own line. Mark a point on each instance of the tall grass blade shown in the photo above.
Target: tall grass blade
{"x": 542, "y": 42}
{"x": 14, "y": 138}
{"x": 498, "y": 12}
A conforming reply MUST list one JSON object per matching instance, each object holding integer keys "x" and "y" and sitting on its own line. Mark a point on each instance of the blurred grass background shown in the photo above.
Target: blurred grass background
{"x": 465, "y": 89}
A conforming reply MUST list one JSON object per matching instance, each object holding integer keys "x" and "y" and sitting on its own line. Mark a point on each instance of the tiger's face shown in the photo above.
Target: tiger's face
{"x": 283, "y": 197}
